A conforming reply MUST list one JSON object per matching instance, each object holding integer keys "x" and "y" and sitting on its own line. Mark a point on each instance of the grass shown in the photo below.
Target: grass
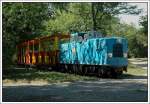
{"x": 36, "y": 75}
{"x": 23, "y": 75}
{"x": 135, "y": 70}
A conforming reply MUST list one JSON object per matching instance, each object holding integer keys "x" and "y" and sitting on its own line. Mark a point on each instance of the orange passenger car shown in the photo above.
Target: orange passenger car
{"x": 40, "y": 51}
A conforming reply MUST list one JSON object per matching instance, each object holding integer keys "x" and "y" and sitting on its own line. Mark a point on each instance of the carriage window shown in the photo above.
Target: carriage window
{"x": 117, "y": 50}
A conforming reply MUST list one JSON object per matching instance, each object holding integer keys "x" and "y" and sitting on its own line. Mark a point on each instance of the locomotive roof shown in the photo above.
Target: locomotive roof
{"x": 114, "y": 37}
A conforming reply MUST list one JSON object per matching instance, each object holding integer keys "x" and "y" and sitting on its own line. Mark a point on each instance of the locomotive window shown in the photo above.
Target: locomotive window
{"x": 117, "y": 50}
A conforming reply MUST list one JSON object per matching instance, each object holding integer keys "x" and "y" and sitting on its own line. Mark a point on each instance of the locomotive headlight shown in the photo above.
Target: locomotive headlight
{"x": 110, "y": 55}
{"x": 125, "y": 55}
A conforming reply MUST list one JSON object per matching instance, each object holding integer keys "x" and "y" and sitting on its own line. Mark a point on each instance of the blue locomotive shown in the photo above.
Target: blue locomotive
{"x": 91, "y": 53}
{"x": 81, "y": 53}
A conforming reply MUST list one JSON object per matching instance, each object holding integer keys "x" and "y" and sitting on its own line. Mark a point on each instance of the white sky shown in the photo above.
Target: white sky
{"x": 134, "y": 18}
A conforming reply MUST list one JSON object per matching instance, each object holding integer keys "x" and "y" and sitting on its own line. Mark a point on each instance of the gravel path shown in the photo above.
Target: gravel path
{"x": 102, "y": 90}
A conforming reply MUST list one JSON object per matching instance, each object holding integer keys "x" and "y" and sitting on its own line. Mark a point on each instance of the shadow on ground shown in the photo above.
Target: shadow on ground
{"x": 126, "y": 88}
{"x": 102, "y": 90}
{"x": 130, "y": 76}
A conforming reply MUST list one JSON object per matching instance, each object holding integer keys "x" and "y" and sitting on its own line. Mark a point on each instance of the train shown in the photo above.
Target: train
{"x": 84, "y": 53}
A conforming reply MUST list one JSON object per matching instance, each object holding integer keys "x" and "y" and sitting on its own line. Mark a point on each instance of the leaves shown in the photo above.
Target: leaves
{"x": 21, "y": 21}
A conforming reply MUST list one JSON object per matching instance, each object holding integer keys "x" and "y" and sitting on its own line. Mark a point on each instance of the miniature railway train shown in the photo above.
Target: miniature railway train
{"x": 80, "y": 53}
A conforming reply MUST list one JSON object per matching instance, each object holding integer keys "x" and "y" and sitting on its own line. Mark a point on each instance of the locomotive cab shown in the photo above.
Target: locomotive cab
{"x": 117, "y": 52}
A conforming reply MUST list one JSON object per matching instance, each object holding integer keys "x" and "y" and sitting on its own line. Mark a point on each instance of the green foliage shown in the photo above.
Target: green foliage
{"x": 24, "y": 20}
{"x": 137, "y": 39}
{"x": 144, "y": 31}
{"x": 21, "y": 21}
{"x": 63, "y": 23}
{"x": 34, "y": 75}
{"x": 144, "y": 23}
{"x": 71, "y": 19}
{"x": 143, "y": 37}
{"x": 88, "y": 16}
{"x": 103, "y": 13}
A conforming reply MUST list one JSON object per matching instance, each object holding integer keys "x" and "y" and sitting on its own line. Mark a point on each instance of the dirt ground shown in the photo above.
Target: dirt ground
{"x": 133, "y": 88}
{"x": 103, "y": 90}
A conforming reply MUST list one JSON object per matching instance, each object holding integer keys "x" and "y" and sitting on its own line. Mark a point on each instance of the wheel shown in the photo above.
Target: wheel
{"x": 69, "y": 68}
{"x": 80, "y": 69}
{"x": 108, "y": 74}
{"x": 66, "y": 68}
{"x": 62, "y": 68}
{"x": 113, "y": 74}
{"x": 84, "y": 70}
{"x": 75, "y": 69}
{"x": 100, "y": 72}
{"x": 119, "y": 72}
{"x": 125, "y": 68}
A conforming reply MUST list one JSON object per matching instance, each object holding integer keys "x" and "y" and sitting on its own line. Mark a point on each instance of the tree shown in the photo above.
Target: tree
{"x": 144, "y": 23}
{"x": 105, "y": 12}
{"x": 64, "y": 23}
{"x": 21, "y": 21}
{"x": 70, "y": 19}
{"x": 97, "y": 16}
{"x": 142, "y": 37}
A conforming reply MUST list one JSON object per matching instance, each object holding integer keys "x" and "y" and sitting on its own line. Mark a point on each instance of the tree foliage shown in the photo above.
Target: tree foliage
{"x": 21, "y": 21}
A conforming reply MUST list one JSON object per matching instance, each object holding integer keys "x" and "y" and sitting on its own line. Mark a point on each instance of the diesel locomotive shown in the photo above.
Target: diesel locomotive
{"x": 80, "y": 53}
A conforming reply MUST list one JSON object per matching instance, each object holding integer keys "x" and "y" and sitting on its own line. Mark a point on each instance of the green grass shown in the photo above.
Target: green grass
{"x": 54, "y": 77}
{"x": 49, "y": 76}
{"x": 135, "y": 70}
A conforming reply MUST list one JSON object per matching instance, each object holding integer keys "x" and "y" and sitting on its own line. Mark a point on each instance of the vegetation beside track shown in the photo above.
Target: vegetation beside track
{"x": 16, "y": 75}
{"x": 136, "y": 70}
{"x": 40, "y": 76}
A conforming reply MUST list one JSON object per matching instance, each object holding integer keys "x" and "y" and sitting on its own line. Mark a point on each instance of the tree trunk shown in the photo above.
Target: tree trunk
{"x": 93, "y": 17}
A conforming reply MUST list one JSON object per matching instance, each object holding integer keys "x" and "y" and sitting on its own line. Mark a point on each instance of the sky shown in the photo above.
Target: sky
{"x": 134, "y": 18}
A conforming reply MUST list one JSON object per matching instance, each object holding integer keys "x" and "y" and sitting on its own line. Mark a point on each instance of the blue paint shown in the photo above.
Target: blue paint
{"x": 93, "y": 51}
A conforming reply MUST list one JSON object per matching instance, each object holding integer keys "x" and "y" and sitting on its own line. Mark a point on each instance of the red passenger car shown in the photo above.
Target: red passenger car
{"x": 40, "y": 51}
